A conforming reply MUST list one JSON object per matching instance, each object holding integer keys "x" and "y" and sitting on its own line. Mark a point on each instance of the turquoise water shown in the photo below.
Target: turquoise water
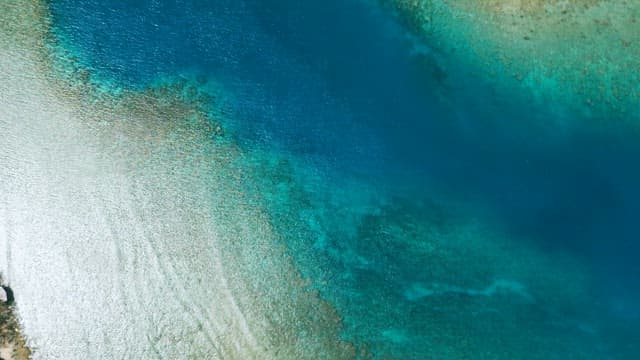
{"x": 440, "y": 221}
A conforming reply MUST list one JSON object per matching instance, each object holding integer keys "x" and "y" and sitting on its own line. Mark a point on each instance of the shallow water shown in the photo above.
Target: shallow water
{"x": 440, "y": 221}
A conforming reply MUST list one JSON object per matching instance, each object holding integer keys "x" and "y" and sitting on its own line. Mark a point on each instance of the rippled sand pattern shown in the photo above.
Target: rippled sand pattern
{"x": 123, "y": 229}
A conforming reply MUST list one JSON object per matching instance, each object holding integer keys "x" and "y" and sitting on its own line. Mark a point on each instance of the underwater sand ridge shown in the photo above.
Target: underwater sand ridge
{"x": 568, "y": 57}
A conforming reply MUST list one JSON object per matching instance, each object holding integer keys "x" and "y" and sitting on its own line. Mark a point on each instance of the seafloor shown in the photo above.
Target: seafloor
{"x": 136, "y": 225}
{"x": 578, "y": 58}
{"x": 126, "y": 229}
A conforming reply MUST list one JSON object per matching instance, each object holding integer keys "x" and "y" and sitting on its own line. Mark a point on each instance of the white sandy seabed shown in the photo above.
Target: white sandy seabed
{"x": 124, "y": 231}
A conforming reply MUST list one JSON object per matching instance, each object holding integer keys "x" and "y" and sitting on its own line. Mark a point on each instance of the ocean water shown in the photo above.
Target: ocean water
{"x": 440, "y": 218}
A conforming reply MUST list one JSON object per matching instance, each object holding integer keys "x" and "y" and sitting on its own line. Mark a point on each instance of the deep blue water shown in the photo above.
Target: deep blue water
{"x": 339, "y": 84}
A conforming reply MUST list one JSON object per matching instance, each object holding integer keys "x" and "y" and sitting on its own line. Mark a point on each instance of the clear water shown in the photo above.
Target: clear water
{"x": 439, "y": 221}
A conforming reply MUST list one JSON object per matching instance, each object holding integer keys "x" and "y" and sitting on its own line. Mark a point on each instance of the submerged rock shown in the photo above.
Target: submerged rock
{"x": 12, "y": 342}
{"x": 6, "y": 295}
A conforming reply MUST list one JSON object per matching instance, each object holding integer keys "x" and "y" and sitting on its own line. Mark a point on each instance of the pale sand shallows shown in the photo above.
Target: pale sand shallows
{"x": 125, "y": 233}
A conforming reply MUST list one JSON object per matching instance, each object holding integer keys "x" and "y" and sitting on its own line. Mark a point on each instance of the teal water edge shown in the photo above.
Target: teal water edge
{"x": 434, "y": 211}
